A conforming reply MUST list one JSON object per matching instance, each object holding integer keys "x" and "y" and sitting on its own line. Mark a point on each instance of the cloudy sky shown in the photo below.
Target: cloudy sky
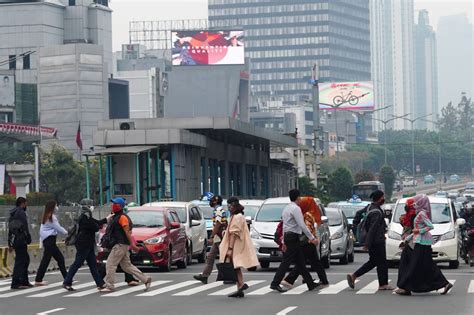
{"x": 152, "y": 10}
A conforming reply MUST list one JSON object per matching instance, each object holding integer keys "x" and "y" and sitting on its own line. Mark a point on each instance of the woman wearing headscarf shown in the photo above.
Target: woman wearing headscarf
{"x": 312, "y": 218}
{"x": 407, "y": 221}
{"x": 422, "y": 273}
{"x": 237, "y": 246}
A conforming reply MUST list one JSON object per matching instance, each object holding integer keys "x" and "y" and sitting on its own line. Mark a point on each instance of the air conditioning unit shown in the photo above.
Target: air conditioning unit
{"x": 129, "y": 125}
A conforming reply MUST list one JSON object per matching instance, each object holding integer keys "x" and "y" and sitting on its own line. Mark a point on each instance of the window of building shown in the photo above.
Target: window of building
{"x": 72, "y": 2}
{"x": 12, "y": 62}
{"x": 26, "y": 62}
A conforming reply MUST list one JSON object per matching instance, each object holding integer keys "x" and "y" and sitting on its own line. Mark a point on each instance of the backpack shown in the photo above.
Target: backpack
{"x": 363, "y": 227}
{"x": 108, "y": 240}
{"x": 73, "y": 230}
{"x": 18, "y": 234}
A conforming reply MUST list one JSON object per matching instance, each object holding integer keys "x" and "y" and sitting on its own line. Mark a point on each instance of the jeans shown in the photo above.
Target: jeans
{"x": 293, "y": 254}
{"x": 20, "y": 268}
{"x": 84, "y": 254}
{"x": 311, "y": 254}
{"x": 377, "y": 258}
{"x": 50, "y": 250}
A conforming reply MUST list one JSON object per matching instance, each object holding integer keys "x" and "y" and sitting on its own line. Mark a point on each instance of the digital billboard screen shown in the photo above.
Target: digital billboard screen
{"x": 357, "y": 96}
{"x": 191, "y": 48}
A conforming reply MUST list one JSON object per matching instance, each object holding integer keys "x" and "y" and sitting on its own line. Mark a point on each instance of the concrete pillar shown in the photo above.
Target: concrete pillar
{"x": 21, "y": 175}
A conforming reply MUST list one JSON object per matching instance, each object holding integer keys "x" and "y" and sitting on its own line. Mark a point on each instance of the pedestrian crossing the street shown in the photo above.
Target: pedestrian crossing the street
{"x": 364, "y": 287}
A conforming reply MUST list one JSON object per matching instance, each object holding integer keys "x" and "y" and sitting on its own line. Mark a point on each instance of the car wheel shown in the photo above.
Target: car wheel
{"x": 202, "y": 256}
{"x": 327, "y": 261}
{"x": 264, "y": 264}
{"x": 182, "y": 264}
{"x": 189, "y": 258}
{"x": 167, "y": 267}
{"x": 345, "y": 259}
{"x": 454, "y": 264}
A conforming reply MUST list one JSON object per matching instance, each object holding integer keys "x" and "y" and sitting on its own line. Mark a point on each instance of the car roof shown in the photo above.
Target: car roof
{"x": 347, "y": 203}
{"x": 432, "y": 200}
{"x": 170, "y": 204}
{"x": 278, "y": 200}
{"x": 333, "y": 210}
{"x": 148, "y": 208}
{"x": 251, "y": 202}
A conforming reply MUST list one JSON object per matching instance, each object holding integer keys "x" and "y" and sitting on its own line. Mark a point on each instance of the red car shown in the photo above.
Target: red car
{"x": 159, "y": 235}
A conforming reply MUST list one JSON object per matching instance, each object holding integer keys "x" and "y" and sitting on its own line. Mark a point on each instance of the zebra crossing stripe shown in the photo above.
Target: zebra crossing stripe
{"x": 92, "y": 291}
{"x": 471, "y": 287}
{"x": 200, "y": 289}
{"x": 27, "y": 291}
{"x": 134, "y": 289}
{"x": 371, "y": 288}
{"x": 233, "y": 288}
{"x": 298, "y": 290}
{"x": 336, "y": 288}
{"x": 261, "y": 291}
{"x": 170, "y": 288}
{"x": 5, "y": 288}
{"x": 62, "y": 290}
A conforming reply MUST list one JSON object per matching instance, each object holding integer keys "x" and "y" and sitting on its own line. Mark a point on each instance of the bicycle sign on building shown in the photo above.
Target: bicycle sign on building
{"x": 347, "y": 95}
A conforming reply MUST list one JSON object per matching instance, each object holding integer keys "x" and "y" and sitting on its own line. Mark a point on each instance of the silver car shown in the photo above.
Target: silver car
{"x": 342, "y": 238}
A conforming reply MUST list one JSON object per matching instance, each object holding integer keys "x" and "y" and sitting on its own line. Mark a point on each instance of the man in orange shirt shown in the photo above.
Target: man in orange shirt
{"x": 122, "y": 236}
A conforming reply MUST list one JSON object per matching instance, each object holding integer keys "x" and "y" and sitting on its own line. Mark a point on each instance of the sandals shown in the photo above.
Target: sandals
{"x": 402, "y": 292}
{"x": 68, "y": 287}
{"x": 448, "y": 287}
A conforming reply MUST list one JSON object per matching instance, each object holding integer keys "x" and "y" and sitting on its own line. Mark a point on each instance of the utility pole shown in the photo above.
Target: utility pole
{"x": 316, "y": 119}
{"x": 385, "y": 122}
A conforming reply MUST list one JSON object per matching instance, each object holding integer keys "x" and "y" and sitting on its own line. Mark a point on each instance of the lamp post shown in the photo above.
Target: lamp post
{"x": 438, "y": 126}
{"x": 385, "y": 122}
{"x": 412, "y": 122}
{"x": 361, "y": 116}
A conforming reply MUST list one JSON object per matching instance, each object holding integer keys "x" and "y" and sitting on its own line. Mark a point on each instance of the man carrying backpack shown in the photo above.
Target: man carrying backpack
{"x": 18, "y": 239}
{"x": 119, "y": 239}
{"x": 373, "y": 237}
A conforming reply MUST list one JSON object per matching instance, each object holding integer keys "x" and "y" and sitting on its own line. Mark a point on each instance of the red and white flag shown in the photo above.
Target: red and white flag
{"x": 79, "y": 137}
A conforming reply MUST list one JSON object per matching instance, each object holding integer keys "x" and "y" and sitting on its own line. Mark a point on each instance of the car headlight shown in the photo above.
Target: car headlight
{"x": 447, "y": 236}
{"x": 155, "y": 240}
{"x": 254, "y": 234}
{"x": 394, "y": 236}
{"x": 336, "y": 235}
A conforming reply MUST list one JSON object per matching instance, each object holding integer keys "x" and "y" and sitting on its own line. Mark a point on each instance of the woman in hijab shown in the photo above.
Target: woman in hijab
{"x": 407, "y": 221}
{"x": 422, "y": 273}
{"x": 312, "y": 218}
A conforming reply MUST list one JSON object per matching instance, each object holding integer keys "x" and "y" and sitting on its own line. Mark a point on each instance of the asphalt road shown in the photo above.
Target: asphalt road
{"x": 177, "y": 293}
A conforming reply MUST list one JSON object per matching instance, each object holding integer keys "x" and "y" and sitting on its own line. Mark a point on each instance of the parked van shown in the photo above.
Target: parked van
{"x": 446, "y": 234}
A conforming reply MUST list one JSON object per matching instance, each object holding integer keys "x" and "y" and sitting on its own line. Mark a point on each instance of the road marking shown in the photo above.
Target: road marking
{"x": 8, "y": 287}
{"x": 233, "y": 289}
{"x": 371, "y": 288}
{"x": 62, "y": 290}
{"x": 261, "y": 291}
{"x": 298, "y": 290}
{"x": 51, "y": 311}
{"x": 134, "y": 289}
{"x": 170, "y": 288}
{"x": 200, "y": 289}
{"x": 336, "y": 288}
{"x": 471, "y": 287}
{"x": 92, "y": 291}
{"x": 27, "y": 291}
{"x": 287, "y": 310}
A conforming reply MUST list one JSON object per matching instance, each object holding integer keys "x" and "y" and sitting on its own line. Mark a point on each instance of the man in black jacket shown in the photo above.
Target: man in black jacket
{"x": 18, "y": 239}
{"x": 375, "y": 244}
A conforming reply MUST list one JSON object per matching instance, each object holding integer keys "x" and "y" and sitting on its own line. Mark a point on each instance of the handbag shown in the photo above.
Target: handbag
{"x": 226, "y": 272}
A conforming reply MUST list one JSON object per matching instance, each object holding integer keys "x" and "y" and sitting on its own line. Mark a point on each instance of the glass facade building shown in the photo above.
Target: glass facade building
{"x": 284, "y": 38}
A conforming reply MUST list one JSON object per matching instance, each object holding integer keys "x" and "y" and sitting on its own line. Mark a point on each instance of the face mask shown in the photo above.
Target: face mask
{"x": 56, "y": 209}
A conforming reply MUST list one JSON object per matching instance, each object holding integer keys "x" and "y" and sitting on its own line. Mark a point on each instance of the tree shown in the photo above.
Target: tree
{"x": 387, "y": 177}
{"x": 364, "y": 175}
{"x": 306, "y": 186}
{"x": 340, "y": 184}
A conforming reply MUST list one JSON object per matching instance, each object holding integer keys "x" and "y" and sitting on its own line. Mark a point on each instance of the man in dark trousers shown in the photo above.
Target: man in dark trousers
{"x": 293, "y": 228}
{"x": 18, "y": 239}
{"x": 374, "y": 243}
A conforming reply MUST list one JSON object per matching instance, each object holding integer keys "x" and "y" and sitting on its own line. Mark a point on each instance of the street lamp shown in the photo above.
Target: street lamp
{"x": 385, "y": 122}
{"x": 412, "y": 122}
{"x": 361, "y": 116}
{"x": 438, "y": 125}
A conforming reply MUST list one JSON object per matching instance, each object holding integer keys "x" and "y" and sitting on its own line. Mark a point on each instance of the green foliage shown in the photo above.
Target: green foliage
{"x": 306, "y": 186}
{"x": 340, "y": 184}
{"x": 364, "y": 175}
{"x": 7, "y": 199}
{"x": 38, "y": 198}
{"x": 387, "y": 177}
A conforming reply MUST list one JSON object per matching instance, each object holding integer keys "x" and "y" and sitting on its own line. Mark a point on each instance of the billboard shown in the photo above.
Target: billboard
{"x": 357, "y": 96}
{"x": 7, "y": 90}
{"x": 190, "y": 48}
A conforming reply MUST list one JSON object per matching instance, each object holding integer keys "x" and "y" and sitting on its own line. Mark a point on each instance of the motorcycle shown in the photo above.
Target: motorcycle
{"x": 467, "y": 244}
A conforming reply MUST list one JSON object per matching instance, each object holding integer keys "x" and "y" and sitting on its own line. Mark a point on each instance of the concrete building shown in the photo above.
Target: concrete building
{"x": 455, "y": 62}
{"x": 181, "y": 158}
{"x": 285, "y": 38}
{"x": 426, "y": 71}
{"x": 391, "y": 42}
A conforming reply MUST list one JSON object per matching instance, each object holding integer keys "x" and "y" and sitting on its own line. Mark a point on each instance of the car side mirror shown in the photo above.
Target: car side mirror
{"x": 248, "y": 219}
{"x": 195, "y": 223}
{"x": 324, "y": 219}
{"x": 460, "y": 221}
{"x": 175, "y": 225}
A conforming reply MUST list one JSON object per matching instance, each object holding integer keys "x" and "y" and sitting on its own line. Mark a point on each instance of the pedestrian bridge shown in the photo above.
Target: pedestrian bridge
{"x": 13, "y": 132}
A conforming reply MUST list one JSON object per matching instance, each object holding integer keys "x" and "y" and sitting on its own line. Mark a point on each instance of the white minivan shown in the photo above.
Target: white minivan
{"x": 446, "y": 237}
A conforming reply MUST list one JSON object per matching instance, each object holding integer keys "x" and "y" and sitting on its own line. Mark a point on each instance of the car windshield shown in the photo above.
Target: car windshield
{"x": 440, "y": 213}
{"x": 350, "y": 210}
{"x": 334, "y": 217}
{"x": 270, "y": 212}
{"x": 208, "y": 212}
{"x": 250, "y": 211}
{"x": 147, "y": 218}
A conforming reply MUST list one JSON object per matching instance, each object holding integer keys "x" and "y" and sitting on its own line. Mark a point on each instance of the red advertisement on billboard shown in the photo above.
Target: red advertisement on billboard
{"x": 191, "y": 48}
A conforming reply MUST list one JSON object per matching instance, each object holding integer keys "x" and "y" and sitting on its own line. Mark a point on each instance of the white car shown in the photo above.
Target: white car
{"x": 468, "y": 194}
{"x": 410, "y": 182}
{"x": 191, "y": 216}
{"x": 446, "y": 232}
{"x": 251, "y": 207}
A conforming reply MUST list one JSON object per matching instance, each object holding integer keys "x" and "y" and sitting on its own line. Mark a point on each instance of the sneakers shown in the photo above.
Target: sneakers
{"x": 148, "y": 284}
{"x": 201, "y": 278}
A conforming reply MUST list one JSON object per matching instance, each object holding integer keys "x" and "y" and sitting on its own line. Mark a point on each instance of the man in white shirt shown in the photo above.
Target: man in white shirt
{"x": 293, "y": 228}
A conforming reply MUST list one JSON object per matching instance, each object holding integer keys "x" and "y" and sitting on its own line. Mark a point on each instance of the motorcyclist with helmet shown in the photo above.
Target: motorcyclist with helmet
{"x": 467, "y": 213}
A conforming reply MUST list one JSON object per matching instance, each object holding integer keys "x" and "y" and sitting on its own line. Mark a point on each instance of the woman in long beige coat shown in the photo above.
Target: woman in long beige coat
{"x": 237, "y": 246}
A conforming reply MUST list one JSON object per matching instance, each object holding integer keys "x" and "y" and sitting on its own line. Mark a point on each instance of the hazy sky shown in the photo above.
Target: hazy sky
{"x": 152, "y": 10}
